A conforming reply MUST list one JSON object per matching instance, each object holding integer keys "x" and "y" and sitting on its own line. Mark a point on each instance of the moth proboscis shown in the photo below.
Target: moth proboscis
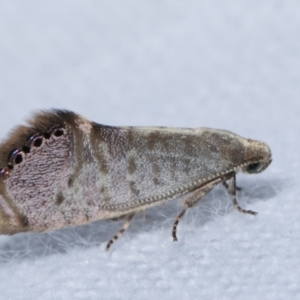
{"x": 63, "y": 170}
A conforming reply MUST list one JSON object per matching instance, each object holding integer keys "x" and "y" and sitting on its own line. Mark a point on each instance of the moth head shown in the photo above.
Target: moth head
{"x": 257, "y": 157}
{"x": 35, "y": 164}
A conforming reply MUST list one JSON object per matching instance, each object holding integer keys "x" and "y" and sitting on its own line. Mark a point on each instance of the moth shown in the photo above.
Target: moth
{"x": 61, "y": 170}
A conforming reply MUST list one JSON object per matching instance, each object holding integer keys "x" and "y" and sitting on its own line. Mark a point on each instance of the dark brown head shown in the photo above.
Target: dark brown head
{"x": 35, "y": 164}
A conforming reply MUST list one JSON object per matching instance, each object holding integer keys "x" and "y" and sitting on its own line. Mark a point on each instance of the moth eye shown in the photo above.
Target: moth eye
{"x": 55, "y": 130}
{"x": 16, "y": 157}
{"x": 253, "y": 168}
{"x": 58, "y": 132}
{"x": 35, "y": 141}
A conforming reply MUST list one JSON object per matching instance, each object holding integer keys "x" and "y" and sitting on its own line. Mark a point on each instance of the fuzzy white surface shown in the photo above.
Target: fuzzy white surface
{"x": 232, "y": 65}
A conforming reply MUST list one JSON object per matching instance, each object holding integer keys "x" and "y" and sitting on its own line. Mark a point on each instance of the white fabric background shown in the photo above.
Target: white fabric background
{"x": 226, "y": 64}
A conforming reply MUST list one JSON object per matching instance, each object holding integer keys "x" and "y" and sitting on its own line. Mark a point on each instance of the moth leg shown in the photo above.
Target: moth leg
{"x": 122, "y": 217}
{"x": 225, "y": 184}
{"x": 192, "y": 200}
{"x": 122, "y": 230}
{"x": 231, "y": 188}
{"x": 179, "y": 217}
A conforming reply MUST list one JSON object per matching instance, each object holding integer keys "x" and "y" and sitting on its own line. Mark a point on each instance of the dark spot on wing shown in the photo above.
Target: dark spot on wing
{"x": 156, "y": 181}
{"x": 133, "y": 189}
{"x": 131, "y": 165}
{"x": 59, "y": 199}
{"x": 23, "y": 221}
{"x": 71, "y": 181}
{"x": 152, "y": 140}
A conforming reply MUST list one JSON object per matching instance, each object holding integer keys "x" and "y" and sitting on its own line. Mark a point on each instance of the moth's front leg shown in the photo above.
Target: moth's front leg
{"x": 192, "y": 200}
{"x": 231, "y": 188}
{"x": 225, "y": 184}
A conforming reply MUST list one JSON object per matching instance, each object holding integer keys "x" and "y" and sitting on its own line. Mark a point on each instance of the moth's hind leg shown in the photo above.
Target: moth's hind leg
{"x": 231, "y": 188}
{"x": 192, "y": 200}
{"x": 179, "y": 217}
{"x": 119, "y": 218}
{"x": 122, "y": 230}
